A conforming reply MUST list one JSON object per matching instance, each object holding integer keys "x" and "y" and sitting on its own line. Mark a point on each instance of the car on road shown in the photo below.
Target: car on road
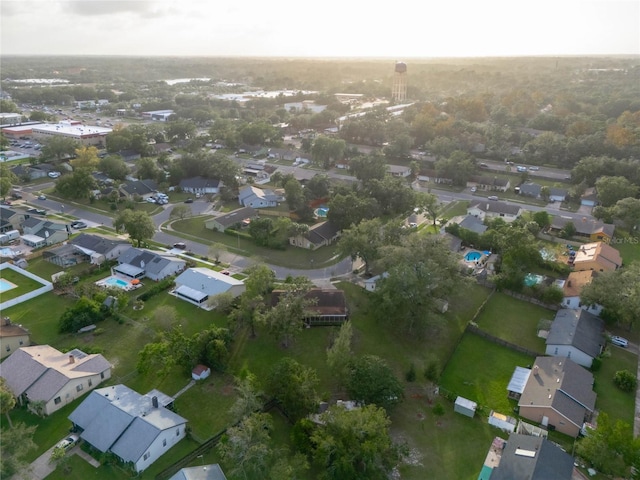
{"x": 492, "y": 197}
{"x": 473, "y": 189}
{"x": 69, "y": 442}
{"x": 42, "y": 197}
{"x": 534, "y": 169}
{"x": 38, "y": 211}
{"x": 520, "y": 168}
{"x": 180, "y": 245}
{"x": 189, "y": 200}
{"x": 484, "y": 165}
{"x": 619, "y": 341}
{"x": 78, "y": 225}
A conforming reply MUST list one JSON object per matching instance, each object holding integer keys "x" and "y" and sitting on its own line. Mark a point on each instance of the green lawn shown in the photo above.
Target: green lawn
{"x": 480, "y": 371}
{"x": 618, "y": 404}
{"x": 514, "y": 320}
{"x": 23, "y": 284}
{"x": 455, "y": 208}
{"x": 629, "y": 247}
{"x": 193, "y": 229}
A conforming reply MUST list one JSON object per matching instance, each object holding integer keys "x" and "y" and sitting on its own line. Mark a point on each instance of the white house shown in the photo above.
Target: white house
{"x": 200, "y": 185}
{"x": 136, "y": 428}
{"x": 138, "y": 263}
{"x": 494, "y": 209}
{"x": 43, "y": 374}
{"x": 370, "y": 284}
{"x": 572, "y": 289}
{"x": 197, "y": 285}
{"x": 250, "y": 196}
{"x": 576, "y": 334}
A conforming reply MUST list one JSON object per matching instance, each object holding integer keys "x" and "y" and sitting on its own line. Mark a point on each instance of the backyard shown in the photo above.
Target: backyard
{"x": 480, "y": 371}
{"x": 15, "y": 284}
{"x": 515, "y": 321}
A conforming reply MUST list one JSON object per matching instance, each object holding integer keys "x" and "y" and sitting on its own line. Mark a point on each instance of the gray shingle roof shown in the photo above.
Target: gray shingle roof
{"x": 96, "y": 243}
{"x": 20, "y": 371}
{"x": 578, "y": 328}
{"x": 120, "y": 419}
{"x": 199, "y": 183}
{"x": 548, "y": 462}
{"x": 492, "y": 206}
{"x": 205, "y": 472}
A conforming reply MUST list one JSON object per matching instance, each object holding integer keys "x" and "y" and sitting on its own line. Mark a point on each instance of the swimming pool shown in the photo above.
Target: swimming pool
{"x": 532, "y": 279}
{"x": 6, "y": 285}
{"x": 472, "y": 256}
{"x": 322, "y": 212}
{"x": 116, "y": 282}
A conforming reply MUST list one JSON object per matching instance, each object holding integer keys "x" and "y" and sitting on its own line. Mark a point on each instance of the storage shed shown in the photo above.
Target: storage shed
{"x": 465, "y": 407}
{"x": 200, "y": 372}
{"x": 503, "y": 422}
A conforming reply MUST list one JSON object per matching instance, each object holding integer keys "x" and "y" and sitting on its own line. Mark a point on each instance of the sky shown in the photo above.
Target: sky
{"x": 398, "y": 29}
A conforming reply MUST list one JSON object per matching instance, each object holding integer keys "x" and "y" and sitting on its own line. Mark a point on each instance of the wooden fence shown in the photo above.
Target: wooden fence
{"x": 499, "y": 341}
{"x": 205, "y": 447}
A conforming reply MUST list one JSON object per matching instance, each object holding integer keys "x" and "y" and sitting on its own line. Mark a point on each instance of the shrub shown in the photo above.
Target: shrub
{"x": 596, "y": 364}
{"x": 625, "y": 380}
{"x": 432, "y": 372}
{"x": 411, "y": 373}
{"x": 162, "y": 285}
{"x": 438, "y": 410}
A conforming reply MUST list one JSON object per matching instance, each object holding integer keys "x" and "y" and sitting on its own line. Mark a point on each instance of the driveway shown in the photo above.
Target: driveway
{"x": 40, "y": 468}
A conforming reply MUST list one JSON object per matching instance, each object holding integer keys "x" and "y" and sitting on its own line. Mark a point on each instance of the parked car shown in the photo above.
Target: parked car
{"x": 42, "y": 197}
{"x": 180, "y": 245}
{"x": 534, "y": 169}
{"x": 484, "y": 165}
{"x": 54, "y": 174}
{"x": 5, "y": 202}
{"x": 473, "y": 189}
{"x": 16, "y": 196}
{"x": 619, "y": 341}
{"x": 69, "y": 442}
{"x": 150, "y": 200}
{"x": 492, "y": 197}
{"x": 189, "y": 200}
{"x": 520, "y": 168}
{"x": 78, "y": 225}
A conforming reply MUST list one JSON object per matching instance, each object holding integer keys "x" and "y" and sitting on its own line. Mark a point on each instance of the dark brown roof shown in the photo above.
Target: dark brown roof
{"x": 12, "y": 330}
{"x": 328, "y": 302}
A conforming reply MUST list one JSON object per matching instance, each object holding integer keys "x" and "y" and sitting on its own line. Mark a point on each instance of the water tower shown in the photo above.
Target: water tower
{"x": 399, "y": 88}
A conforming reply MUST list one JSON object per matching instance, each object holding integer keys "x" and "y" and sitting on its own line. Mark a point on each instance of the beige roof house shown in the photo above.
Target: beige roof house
{"x": 12, "y": 337}
{"x": 53, "y": 379}
{"x": 558, "y": 395}
{"x": 597, "y": 256}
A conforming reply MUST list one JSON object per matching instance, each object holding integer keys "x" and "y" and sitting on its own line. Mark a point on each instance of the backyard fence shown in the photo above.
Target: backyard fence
{"x": 529, "y": 299}
{"x": 207, "y": 446}
{"x": 499, "y": 341}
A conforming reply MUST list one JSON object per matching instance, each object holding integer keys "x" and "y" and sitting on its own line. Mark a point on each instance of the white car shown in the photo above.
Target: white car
{"x": 54, "y": 174}
{"x": 69, "y": 442}
{"x": 619, "y": 341}
{"x": 150, "y": 200}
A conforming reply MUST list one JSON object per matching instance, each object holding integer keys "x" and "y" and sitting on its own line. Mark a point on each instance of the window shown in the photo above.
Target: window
{"x": 561, "y": 422}
{"x": 556, "y": 351}
{"x": 8, "y": 348}
{"x": 79, "y": 388}
{"x": 90, "y": 383}
{"x": 21, "y": 342}
{"x": 57, "y": 400}
{"x": 102, "y": 375}
{"x": 146, "y": 455}
{"x": 164, "y": 442}
{"x": 569, "y": 354}
{"x": 177, "y": 432}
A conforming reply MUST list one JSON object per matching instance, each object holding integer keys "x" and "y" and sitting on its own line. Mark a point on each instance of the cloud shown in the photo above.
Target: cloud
{"x": 91, "y": 8}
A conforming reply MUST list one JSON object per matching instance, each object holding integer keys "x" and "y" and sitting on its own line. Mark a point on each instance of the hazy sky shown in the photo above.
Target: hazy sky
{"x": 397, "y": 29}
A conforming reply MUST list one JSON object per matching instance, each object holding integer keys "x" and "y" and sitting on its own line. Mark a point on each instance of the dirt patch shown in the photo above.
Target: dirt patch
{"x": 227, "y": 390}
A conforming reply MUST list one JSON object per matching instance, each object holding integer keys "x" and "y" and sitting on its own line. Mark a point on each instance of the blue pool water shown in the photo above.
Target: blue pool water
{"x": 322, "y": 211}
{"x": 472, "y": 256}
{"x": 116, "y": 282}
{"x": 532, "y": 279}
{"x": 4, "y": 285}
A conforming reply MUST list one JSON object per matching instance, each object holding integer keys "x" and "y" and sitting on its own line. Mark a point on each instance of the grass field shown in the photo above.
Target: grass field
{"x": 618, "y": 404}
{"x": 480, "y": 371}
{"x": 23, "y": 284}
{"x": 193, "y": 228}
{"x": 514, "y": 320}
